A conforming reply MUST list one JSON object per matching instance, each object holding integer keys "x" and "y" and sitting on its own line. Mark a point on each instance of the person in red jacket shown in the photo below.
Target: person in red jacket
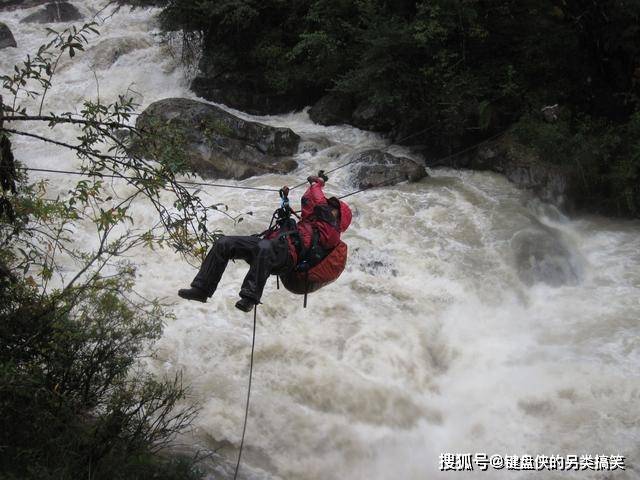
{"x": 318, "y": 231}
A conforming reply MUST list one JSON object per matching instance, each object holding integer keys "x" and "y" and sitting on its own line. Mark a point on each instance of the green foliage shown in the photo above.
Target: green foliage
{"x": 100, "y": 128}
{"x": 626, "y": 169}
{"x": 71, "y": 406}
{"x": 426, "y": 63}
{"x": 74, "y": 401}
{"x": 74, "y": 398}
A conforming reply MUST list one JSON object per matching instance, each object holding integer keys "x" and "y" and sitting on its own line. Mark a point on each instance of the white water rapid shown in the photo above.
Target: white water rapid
{"x": 441, "y": 336}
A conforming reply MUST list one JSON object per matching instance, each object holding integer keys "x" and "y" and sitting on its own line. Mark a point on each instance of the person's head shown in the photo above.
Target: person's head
{"x": 341, "y": 212}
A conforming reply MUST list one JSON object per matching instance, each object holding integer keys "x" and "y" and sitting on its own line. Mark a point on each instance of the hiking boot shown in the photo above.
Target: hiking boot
{"x": 193, "y": 293}
{"x": 245, "y": 304}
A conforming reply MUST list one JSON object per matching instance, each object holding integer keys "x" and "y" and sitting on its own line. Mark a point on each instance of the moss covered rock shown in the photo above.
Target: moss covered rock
{"x": 216, "y": 143}
{"x": 6, "y": 37}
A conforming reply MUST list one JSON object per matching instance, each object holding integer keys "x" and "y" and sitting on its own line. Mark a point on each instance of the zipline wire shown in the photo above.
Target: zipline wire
{"x": 215, "y": 185}
{"x": 239, "y": 187}
{"x": 455, "y": 154}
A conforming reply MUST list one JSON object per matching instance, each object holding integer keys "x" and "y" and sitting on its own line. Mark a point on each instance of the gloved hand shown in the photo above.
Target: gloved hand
{"x": 316, "y": 178}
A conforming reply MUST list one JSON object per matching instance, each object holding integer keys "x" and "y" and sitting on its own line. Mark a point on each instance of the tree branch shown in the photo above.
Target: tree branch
{"x": 61, "y": 119}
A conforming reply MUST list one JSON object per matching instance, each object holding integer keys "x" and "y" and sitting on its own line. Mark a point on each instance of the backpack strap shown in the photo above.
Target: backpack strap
{"x": 312, "y": 256}
{"x": 307, "y": 257}
{"x": 295, "y": 238}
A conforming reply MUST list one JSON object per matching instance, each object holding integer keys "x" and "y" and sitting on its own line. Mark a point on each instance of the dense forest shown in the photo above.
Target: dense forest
{"x": 443, "y": 74}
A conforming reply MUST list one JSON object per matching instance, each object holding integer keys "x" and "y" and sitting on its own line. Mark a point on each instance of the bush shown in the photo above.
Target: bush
{"x": 74, "y": 402}
{"x": 74, "y": 398}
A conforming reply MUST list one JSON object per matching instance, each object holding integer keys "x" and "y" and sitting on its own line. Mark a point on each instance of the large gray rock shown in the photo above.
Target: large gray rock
{"x": 54, "y": 13}
{"x": 313, "y": 145}
{"x": 555, "y": 184}
{"x": 369, "y": 116}
{"x": 6, "y": 37}
{"x": 542, "y": 256}
{"x": 108, "y": 51}
{"x": 375, "y": 167}
{"x": 218, "y": 144}
{"x": 104, "y": 54}
{"x": 551, "y": 183}
{"x": 332, "y": 109}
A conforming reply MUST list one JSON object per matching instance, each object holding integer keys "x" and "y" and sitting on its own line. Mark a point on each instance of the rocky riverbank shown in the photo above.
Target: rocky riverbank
{"x": 215, "y": 143}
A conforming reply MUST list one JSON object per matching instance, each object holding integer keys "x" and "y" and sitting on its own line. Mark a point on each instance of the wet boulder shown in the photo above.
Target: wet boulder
{"x": 549, "y": 182}
{"x": 313, "y": 145}
{"x": 379, "y": 268}
{"x": 370, "y": 116}
{"x": 54, "y": 12}
{"x": 108, "y": 51}
{"x": 555, "y": 184}
{"x": 216, "y": 143}
{"x": 332, "y": 109}
{"x": 375, "y": 167}
{"x": 541, "y": 256}
{"x": 6, "y": 37}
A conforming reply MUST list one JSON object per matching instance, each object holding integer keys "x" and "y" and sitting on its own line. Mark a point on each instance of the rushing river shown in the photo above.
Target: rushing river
{"x": 470, "y": 319}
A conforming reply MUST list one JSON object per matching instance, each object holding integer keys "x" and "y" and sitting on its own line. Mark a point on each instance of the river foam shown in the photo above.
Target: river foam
{"x": 430, "y": 342}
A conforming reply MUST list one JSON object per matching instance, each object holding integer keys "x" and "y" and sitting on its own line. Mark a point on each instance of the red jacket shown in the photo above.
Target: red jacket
{"x": 329, "y": 235}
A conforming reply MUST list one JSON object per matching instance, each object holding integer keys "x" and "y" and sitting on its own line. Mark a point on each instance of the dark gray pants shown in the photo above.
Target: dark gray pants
{"x": 265, "y": 257}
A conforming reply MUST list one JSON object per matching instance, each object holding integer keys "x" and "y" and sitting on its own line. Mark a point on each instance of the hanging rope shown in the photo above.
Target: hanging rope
{"x": 246, "y": 410}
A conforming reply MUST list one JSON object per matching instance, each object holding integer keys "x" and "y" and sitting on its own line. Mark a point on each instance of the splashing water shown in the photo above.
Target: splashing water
{"x": 470, "y": 318}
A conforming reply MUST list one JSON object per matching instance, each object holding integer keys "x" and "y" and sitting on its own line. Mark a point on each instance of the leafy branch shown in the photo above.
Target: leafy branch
{"x": 102, "y": 147}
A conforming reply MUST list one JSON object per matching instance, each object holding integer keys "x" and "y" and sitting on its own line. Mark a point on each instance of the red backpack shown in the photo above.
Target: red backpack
{"x": 321, "y": 274}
